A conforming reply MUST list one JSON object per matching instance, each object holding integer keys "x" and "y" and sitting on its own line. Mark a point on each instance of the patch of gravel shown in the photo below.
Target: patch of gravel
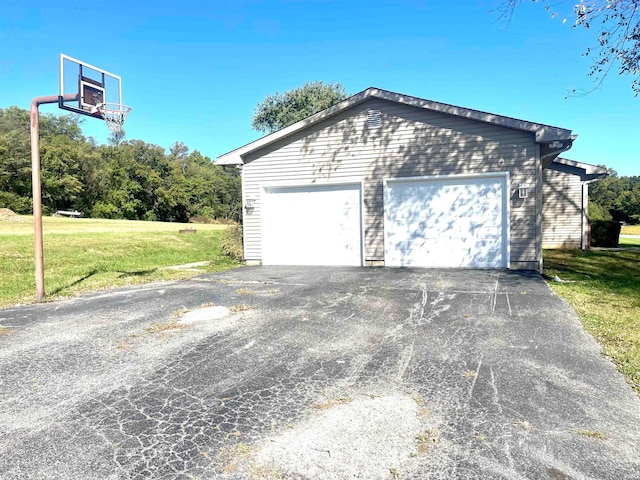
{"x": 369, "y": 438}
{"x": 8, "y": 215}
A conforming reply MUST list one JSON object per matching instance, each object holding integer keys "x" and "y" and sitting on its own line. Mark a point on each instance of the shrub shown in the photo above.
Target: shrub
{"x": 598, "y": 212}
{"x": 605, "y": 233}
{"x": 231, "y": 242}
{"x": 20, "y": 205}
{"x": 105, "y": 210}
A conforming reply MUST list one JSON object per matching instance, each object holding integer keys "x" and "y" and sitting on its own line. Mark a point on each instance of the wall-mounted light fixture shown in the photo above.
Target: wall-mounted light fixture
{"x": 249, "y": 203}
{"x": 523, "y": 190}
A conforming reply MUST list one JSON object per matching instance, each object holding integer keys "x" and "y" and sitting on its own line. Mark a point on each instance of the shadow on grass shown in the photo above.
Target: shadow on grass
{"x": 137, "y": 273}
{"x": 77, "y": 282}
{"x": 617, "y": 269}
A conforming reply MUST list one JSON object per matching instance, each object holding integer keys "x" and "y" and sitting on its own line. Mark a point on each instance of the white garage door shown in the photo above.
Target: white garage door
{"x": 454, "y": 221}
{"x": 312, "y": 225}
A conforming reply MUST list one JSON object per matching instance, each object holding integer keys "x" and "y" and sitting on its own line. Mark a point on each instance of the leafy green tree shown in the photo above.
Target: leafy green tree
{"x": 15, "y": 160}
{"x": 616, "y": 198}
{"x": 283, "y": 109}
{"x": 178, "y": 152}
{"x": 125, "y": 179}
{"x": 618, "y": 27}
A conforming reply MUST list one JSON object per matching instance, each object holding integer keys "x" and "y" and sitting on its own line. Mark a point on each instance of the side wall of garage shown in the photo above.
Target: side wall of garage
{"x": 562, "y": 212}
{"x": 378, "y": 140}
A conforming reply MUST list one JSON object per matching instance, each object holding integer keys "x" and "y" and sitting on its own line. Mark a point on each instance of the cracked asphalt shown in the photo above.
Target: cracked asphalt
{"x": 312, "y": 372}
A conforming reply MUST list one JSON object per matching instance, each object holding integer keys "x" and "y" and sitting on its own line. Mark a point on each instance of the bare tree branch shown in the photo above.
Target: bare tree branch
{"x": 618, "y": 41}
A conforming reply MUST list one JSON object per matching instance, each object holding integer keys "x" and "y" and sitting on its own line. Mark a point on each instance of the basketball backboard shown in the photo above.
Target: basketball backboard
{"x": 83, "y": 87}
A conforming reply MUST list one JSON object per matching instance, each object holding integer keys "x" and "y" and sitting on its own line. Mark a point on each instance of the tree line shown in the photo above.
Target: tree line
{"x": 615, "y": 198}
{"x": 126, "y": 179}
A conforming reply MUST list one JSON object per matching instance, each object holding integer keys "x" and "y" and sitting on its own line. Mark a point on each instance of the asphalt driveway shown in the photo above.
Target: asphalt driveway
{"x": 313, "y": 373}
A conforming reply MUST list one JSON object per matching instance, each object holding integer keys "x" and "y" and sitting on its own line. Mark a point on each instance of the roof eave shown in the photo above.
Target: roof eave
{"x": 235, "y": 156}
{"x": 586, "y": 171}
{"x": 543, "y": 133}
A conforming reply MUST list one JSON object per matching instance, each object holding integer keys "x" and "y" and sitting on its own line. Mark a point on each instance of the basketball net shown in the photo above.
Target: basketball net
{"x": 114, "y": 114}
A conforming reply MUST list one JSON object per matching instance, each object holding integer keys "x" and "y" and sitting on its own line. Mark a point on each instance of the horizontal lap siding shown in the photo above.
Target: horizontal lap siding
{"x": 562, "y": 210}
{"x": 410, "y": 142}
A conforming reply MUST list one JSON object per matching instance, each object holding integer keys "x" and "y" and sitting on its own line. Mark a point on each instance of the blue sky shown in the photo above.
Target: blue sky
{"x": 193, "y": 70}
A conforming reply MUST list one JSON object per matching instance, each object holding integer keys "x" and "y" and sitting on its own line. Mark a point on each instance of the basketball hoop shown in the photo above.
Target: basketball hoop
{"x": 114, "y": 114}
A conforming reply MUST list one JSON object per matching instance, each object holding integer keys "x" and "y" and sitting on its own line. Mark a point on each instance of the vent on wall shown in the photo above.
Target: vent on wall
{"x": 374, "y": 118}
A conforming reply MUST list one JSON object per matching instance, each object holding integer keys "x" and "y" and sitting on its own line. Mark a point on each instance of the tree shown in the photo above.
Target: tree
{"x": 282, "y": 109}
{"x": 125, "y": 179}
{"x": 616, "y": 198}
{"x": 116, "y": 137}
{"x": 15, "y": 160}
{"x": 618, "y": 42}
{"x": 178, "y": 153}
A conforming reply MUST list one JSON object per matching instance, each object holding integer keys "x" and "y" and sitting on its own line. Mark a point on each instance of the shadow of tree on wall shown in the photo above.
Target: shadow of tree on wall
{"x": 453, "y": 223}
{"x": 562, "y": 209}
{"x": 413, "y": 142}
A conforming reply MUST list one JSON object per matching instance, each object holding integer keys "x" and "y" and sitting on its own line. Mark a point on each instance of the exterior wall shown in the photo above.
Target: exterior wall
{"x": 562, "y": 223}
{"x": 410, "y": 142}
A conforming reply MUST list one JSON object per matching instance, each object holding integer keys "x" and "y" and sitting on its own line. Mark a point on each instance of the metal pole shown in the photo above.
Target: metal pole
{"x": 37, "y": 191}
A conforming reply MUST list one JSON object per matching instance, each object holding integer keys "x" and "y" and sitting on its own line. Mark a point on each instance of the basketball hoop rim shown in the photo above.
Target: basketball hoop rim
{"x": 115, "y": 114}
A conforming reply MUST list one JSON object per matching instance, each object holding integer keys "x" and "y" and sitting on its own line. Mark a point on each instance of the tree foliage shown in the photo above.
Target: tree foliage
{"x": 618, "y": 25}
{"x": 127, "y": 179}
{"x": 615, "y": 198}
{"x": 283, "y": 109}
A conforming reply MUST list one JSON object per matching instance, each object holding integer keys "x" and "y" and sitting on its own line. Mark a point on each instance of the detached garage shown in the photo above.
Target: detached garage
{"x": 388, "y": 179}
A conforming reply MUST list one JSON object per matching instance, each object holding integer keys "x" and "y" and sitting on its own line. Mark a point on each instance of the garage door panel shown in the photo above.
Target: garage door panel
{"x": 314, "y": 225}
{"x": 446, "y": 222}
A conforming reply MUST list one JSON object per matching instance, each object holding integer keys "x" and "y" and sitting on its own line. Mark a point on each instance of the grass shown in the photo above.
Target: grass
{"x": 83, "y": 255}
{"x": 606, "y": 297}
{"x": 166, "y": 327}
{"x": 240, "y": 308}
{"x": 332, "y": 403}
{"x": 425, "y": 440}
{"x": 629, "y": 242}
{"x": 630, "y": 230}
{"x": 592, "y": 434}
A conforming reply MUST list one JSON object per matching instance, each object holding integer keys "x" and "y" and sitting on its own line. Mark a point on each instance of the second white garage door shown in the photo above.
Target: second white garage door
{"x": 312, "y": 225}
{"x": 453, "y": 221}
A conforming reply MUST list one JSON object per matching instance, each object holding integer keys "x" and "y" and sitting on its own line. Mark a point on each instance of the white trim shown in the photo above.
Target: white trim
{"x": 293, "y": 184}
{"x": 542, "y": 132}
{"x": 506, "y": 203}
{"x": 64, "y": 57}
{"x": 459, "y": 176}
{"x": 539, "y": 206}
{"x": 244, "y": 223}
{"x": 588, "y": 168}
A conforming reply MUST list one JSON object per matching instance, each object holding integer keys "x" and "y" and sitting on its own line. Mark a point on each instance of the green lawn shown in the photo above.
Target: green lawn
{"x": 85, "y": 254}
{"x": 606, "y": 295}
{"x": 630, "y": 230}
{"x": 629, "y": 242}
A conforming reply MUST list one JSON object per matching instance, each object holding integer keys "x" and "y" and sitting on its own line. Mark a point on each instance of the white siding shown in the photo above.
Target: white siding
{"x": 562, "y": 210}
{"x": 410, "y": 142}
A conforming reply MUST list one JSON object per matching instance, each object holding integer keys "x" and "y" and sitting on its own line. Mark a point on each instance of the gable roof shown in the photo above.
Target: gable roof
{"x": 543, "y": 133}
{"x": 585, "y": 171}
